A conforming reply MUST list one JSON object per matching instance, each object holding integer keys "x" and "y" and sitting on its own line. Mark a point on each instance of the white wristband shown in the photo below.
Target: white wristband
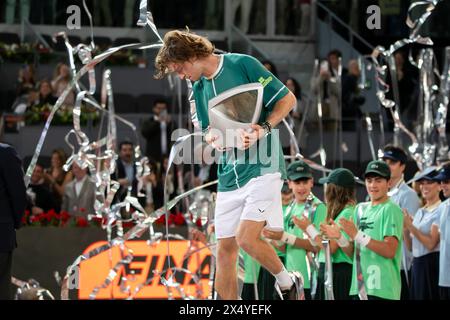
{"x": 362, "y": 239}
{"x": 288, "y": 238}
{"x": 312, "y": 232}
{"x": 343, "y": 242}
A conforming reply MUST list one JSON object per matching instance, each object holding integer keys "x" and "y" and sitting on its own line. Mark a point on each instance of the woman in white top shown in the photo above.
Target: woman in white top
{"x": 421, "y": 236}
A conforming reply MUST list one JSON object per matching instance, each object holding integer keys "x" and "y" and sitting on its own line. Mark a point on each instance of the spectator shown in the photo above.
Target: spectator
{"x": 405, "y": 198}
{"x": 421, "y": 235}
{"x": 56, "y": 177}
{"x": 40, "y": 197}
{"x": 12, "y": 202}
{"x": 125, "y": 172}
{"x": 11, "y": 10}
{"x": 352, "y": 99}
{"x": 25, "y": 89}
{"x": 327, "y": 85}
{"x": 157, "y": 131}
{"x": 79, "y": 194}
{"x": 298, "y": 111}
{"x": 26, "y": 80}
{"x": 408, "y": 89}
{"x": 61, "y": 80}
{"x": 45, "y": 95}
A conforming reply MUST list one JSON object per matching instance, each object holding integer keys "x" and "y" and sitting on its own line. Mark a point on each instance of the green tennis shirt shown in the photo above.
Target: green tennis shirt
{"x": 296, "y": 257}
{"x": 235, "y": 168}
{"x": 381, "y": 275}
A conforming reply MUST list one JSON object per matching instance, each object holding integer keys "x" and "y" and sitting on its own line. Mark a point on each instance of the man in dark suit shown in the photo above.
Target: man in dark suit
{"x": 125, "y": 172}
{"x": 12, "y": 207}
{"x": 157, "y": 132}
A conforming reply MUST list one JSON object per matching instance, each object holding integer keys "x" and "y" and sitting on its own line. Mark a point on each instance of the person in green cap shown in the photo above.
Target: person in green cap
{"x": 300, "y": 246}
{"x": 340, "y": 197}
{"x": 376, "y": 230}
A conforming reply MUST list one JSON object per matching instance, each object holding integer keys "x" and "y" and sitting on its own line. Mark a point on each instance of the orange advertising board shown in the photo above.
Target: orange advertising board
{"x": 146, "y": 259}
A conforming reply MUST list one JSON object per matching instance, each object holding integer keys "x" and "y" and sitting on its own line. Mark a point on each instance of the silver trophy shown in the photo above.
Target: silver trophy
{"x": 234, "y": 110}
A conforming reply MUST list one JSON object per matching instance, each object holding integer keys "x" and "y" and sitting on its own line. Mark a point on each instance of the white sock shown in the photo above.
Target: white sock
{"x": 284, "y": 280}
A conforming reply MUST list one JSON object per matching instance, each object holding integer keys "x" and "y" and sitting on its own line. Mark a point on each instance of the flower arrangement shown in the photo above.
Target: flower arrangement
{"x": 122, "y": 58}
{"x": 21, "y": 53}
{"x": 53, "y": 219}
{"x": 31, "y": 52}
{"x": 175, "y": 219}
{"x": 39, "y": 113}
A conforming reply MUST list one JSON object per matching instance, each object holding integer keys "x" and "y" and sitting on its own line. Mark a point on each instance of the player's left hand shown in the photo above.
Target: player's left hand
{"x": 249, "y": 138}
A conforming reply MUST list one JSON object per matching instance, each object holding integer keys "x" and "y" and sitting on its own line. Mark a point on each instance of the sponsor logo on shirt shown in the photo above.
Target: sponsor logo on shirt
{"x": 364, "y": 225}
{"x": 265, "y": 82}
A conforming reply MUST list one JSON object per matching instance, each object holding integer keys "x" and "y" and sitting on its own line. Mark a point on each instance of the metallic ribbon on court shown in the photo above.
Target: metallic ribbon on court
{"x": 362, "y": 293}
{"x": 328, "y": 283}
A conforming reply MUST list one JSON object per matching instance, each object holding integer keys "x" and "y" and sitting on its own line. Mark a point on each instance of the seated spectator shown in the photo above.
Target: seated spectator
{"x": 157, "y": 131}
{"x": 25, "y": 89}
{"x": 79, "y": 194}
{"x": 22, "y": 103}
{"x": 56, "y": 177}
{"x": 39, "y": 196}
{"x": 26, "y": 80}
{"x": 60, "y": 81}
{"x": 45, "y": 94}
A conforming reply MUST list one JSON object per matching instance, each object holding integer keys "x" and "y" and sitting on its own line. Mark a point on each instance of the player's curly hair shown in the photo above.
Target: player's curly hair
{"x": 181, "y": 46}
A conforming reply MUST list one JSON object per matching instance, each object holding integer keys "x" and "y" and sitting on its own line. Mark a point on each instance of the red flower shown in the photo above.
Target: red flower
{"x": 81, "y": 222}
{"x": 35, "y": 218}
{"x": 179, "y": 219}
{"x": 199, "y": 222}
{"x": 83, "y": 210}
{"x": 64, "y": 217}
{"x": 128, "y": 224}
{"x": 161, "y": 220}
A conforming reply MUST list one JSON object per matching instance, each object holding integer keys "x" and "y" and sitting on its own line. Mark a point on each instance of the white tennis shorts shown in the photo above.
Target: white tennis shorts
{"x": 258, "y": 200}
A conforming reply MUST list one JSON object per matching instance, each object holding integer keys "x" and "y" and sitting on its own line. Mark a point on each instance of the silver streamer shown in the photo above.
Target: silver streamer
{"x": 328, "y": 283}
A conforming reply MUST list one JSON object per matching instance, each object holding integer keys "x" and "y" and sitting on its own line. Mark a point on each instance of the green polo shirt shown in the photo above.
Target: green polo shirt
{"x": 235, "y": 168}
{"x": 381, "y": 275}
{"x": 296, "y": 257}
